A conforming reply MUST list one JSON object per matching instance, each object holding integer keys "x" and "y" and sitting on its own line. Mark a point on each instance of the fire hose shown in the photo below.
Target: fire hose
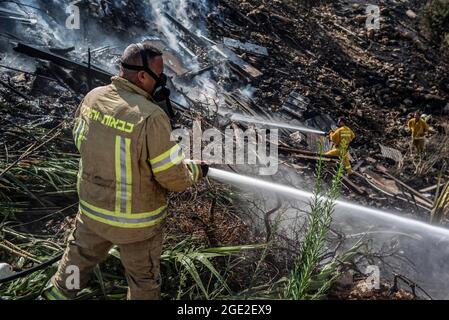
{"x": 31, "y": 270}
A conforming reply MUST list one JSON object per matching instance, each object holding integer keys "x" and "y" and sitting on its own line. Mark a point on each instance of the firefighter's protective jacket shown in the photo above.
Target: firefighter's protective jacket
{"x": 342, "y": 137}
{"x": 418, "y": 128}
{"x": 128, "y": 162}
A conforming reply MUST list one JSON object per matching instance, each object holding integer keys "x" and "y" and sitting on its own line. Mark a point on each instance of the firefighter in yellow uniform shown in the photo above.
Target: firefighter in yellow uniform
{"x": 341, "y": 138}
{"x": 418, "y": 128}
{"x": 128, "y": 163}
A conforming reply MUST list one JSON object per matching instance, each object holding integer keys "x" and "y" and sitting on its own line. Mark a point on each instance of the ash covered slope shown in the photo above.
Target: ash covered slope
{"x": 376, "y": 80}
{"x": 326, "y": 53}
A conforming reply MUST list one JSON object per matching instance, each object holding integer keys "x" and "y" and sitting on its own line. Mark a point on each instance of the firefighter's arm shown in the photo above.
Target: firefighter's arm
{"x": 426, "y": 127}
{"x": 334, "y": 136}
{"x": 410, "y": 125}
{"x": 76, "y": 119}
{"x": 166, "y": 156}
{"x": 78, "y": 127}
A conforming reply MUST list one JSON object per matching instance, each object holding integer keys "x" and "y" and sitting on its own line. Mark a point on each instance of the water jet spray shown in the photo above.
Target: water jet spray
{"x": 278, "y": 124}
{"x": 340, "y": 205}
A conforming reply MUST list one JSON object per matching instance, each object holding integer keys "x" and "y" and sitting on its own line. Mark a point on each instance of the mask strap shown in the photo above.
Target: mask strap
{"x": 144, "y": 67}
{"x": 143, "y": 55}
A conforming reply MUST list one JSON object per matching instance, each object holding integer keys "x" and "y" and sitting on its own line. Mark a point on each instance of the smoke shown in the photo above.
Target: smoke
{"x": 163, "y": 24}
{"x": 96, "y": 20}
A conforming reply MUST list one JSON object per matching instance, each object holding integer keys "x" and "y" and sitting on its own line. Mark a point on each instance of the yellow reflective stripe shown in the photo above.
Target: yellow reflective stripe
{"x": 166, "y": 160}
{"x": 118, "y": 219}
{"x": 48, "y": 296}
{"x": 169, "y": 164}
{"x": 54, "y": 294}
{"x": 118, "y": 176}
{"x": 165, "y": 155}
{"x": 79, "y": 134}
{"x": 195, "y": 170}
{"x": 129, "y": 175}
{"x": 76, "y": 132}
{"x": 78, "y": 177}
{"x": 123, "y": 174}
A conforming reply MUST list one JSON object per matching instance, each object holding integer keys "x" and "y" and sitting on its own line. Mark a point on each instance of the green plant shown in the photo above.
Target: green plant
{"x": 180, "y": 261}
{"x": 198, "y": 263}
{"x": 303, "y": 282}
{"x": 436, "y": 15}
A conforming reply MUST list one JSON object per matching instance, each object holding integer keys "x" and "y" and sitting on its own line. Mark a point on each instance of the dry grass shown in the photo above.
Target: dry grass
{"x": 436, "y": 154}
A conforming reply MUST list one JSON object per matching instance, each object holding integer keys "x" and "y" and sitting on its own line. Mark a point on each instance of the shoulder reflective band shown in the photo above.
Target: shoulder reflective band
{"x": 117, "y": 219}
{"x": 79, "y": 133}
{"x": 345, "y": 136}
{"x": 53, "y": 293}
{"x": 168, "y": 159}
{"x": 195, "y": 170}
{"x": 123, "y": 174}
{"x": 78, "y": 177}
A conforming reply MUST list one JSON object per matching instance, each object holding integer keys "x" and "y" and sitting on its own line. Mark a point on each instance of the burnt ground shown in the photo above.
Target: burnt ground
{"x": 323, "y": 52}
{"x": 374, "y": 80}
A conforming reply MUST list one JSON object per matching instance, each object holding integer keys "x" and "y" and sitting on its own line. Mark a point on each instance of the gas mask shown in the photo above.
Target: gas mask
{"x": 160, "y": 94}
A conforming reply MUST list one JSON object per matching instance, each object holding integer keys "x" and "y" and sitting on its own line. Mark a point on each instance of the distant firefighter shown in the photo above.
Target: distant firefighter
{"x": 418, "y": 128}
{"x": 341, "y": 138}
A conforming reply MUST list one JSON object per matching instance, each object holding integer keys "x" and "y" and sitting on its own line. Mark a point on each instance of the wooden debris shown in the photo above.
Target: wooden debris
{"x": 316, "y": 158}
{"x": 63, "y": 62}
{"x": 296, "y": 104}
{"x": 196, "y": 39}
{"x": 62, "y": 51}
{"x": 347, "y": 181}
{"x": 407, "y": 187}
{"x": 7, "y": 14}
{"x": 238, "y": 62}
{"x": 429, "y": 189}
{"x": 245, "y": 46}
{"x": 389, "y": 188}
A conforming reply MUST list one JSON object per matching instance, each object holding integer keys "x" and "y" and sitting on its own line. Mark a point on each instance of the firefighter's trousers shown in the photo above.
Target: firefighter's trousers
{"x": 346, "y": 162}
{"x": 419, "y": 144}
{"x": 86, "y": 249}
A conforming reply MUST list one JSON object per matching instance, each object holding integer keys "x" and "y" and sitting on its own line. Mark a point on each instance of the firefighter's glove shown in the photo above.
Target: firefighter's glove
{"x": 204, "y": 168}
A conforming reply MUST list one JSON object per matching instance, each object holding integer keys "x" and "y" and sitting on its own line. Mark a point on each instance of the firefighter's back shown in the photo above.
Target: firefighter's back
{"x": 116, "y": 186}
